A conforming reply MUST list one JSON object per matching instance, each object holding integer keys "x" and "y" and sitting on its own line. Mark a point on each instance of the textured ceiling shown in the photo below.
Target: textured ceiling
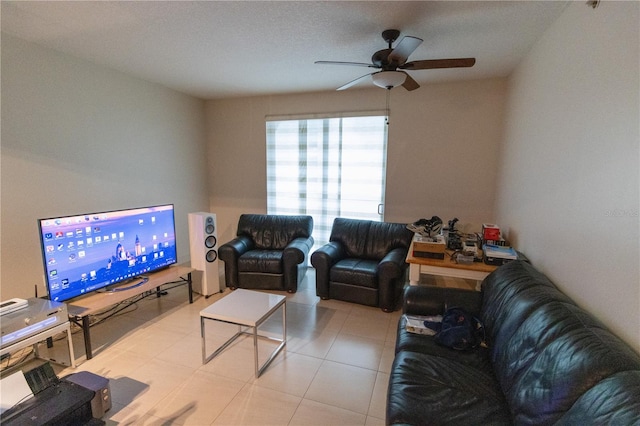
{"x": 216, "y": 49}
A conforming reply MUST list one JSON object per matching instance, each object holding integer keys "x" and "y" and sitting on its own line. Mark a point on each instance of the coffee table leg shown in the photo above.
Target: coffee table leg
{"x": 202, "y": 338}
{"x": 255, "y": 349}
{"x": 277, "y": 350}
{"x": 284, "y": 323}
{"x": 205, "y": 358}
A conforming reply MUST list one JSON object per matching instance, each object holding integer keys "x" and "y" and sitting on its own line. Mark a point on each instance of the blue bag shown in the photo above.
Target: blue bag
{"x": 460, "y": 330}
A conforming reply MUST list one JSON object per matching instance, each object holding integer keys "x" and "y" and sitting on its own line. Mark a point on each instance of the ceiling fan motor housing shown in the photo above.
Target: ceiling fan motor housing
{"x": 381, "y": 60}
{"x": 390, "y": 36}
{"x": 381, "y": 57}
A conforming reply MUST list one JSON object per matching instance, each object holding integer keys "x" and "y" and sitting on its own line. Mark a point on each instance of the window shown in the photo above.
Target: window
{"x": 326, "y": 168}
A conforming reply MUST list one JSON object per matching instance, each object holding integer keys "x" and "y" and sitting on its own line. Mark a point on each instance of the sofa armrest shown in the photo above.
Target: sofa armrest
{"x": 431, "y": 300}
{"x": 391, "y": 273}
{"x": 322, "y": 260}
{"x": 395, "y": 259}
{"x": 297, "y": 250}
{"x": 229, "y": 253}
{"x": 328, "y": 254}
{"x": 235, "y": 248}
{"x": 294, "y": 257}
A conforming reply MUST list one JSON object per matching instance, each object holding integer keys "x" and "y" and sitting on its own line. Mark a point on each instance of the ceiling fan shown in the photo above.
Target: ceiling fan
{"x": 393, "y": 61}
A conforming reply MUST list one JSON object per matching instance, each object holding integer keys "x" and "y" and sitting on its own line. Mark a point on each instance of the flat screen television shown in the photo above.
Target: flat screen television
{"x": 87, "y": 252}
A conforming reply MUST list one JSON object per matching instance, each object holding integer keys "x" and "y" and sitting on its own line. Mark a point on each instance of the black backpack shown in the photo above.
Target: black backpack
{"x": 460, "y": 330}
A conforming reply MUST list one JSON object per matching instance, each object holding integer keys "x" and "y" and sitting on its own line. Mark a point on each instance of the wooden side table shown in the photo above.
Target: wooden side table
{"x": 477, "y": 271}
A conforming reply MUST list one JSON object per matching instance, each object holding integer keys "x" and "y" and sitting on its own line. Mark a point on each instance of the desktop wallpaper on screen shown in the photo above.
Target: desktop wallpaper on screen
{"x": 84, "y": 253}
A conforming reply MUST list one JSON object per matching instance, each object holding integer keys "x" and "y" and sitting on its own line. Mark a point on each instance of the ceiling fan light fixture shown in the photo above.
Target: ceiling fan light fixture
{"x": 388, "y": 79}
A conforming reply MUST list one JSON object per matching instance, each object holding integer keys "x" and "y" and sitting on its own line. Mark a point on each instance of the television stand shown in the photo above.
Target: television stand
{"x": 82, "y": 308}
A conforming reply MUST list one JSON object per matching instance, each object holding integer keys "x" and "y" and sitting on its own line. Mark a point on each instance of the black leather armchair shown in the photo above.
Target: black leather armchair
{"x": 270, "y": 252}
{"x": 364, "y": 262}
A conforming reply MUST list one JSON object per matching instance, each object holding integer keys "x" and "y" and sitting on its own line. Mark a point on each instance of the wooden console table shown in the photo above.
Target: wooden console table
{"x": 446, "y": 268}
{"x": 80, "y": 309}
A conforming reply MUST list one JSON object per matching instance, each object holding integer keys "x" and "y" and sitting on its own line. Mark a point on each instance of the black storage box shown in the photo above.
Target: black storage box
{"x": 101, "y": 402}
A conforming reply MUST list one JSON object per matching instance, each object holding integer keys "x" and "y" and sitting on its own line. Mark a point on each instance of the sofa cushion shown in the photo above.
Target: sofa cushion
{"x": 274, "y": 232}
{"x": 262, "y": 261}
{"x": 557, "y": 354}
{"x": 367, "y": 239}
{"x": 478, "y": 358}
{"x": 425, "y": 389}
{"x": 613, "y": 401}
{"x": 509, "y": 295}
{"x": 384, "y": 237}
{"x": 358, "y": 272}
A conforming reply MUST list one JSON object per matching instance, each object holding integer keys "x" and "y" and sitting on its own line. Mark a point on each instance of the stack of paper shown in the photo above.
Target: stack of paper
{"x": 14, "y": 389}
{"x": 418, "y": 324}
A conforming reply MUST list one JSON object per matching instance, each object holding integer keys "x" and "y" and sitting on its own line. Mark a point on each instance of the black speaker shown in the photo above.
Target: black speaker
{"x": 203, "y": 243}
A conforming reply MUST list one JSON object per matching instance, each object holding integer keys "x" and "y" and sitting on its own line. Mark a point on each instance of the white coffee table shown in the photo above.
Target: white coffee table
{"x": 249, "y": 309}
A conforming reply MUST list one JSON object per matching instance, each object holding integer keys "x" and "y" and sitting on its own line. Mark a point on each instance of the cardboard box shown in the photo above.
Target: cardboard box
{"x": 422, "y": 247}
{"x": 429, "y": 247}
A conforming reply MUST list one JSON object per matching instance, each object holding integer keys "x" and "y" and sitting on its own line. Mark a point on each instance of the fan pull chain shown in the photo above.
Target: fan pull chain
{"x": 387, "y": 106}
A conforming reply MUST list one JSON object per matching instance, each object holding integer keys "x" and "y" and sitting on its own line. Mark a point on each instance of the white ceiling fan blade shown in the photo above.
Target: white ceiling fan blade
{"x": 353, "y": 82}
{"x": 358, "y": 64}
{"x": 404, "y": 48}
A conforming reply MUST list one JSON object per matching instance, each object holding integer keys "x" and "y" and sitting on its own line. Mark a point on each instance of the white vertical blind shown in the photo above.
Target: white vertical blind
{"x": 327, "y": 168}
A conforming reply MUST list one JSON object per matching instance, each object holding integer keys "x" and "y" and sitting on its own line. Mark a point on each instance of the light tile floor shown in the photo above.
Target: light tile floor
{"x": 334, "y": 369}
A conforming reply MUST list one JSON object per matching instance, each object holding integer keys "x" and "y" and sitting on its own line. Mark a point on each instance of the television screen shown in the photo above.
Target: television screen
{"x": 84, "y": 253}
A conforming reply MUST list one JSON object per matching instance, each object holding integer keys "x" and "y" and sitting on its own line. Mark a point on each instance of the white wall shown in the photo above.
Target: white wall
{"x": 442, "y": 150}
{"x": 79, "y": 138}
{"x": 568, "y": 190}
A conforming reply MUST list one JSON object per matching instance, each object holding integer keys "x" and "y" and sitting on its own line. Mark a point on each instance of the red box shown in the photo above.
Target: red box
{"x": 490, "y": 232}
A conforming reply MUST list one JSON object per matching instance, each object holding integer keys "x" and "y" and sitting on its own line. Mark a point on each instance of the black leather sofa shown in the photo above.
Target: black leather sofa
{"x": 364, "y": 262}
{"x": 548, "y": 361}
{"x": 270, "y": 252}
